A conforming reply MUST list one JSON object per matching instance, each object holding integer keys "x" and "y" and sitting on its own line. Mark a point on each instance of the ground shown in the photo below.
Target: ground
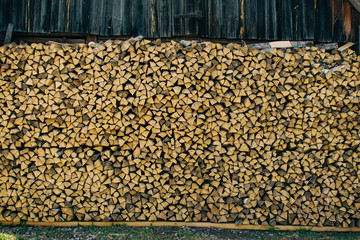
{"x": 173, "y": 233}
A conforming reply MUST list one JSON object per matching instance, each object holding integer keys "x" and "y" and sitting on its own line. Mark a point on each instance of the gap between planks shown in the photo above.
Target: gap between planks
{"x": 187, "y": 224}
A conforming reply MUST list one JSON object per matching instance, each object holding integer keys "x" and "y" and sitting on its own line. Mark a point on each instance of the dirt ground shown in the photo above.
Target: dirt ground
{"x": 173, "y": 233}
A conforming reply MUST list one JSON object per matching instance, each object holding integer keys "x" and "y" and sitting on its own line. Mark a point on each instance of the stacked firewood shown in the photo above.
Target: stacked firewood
{"x": 179, "y": 131}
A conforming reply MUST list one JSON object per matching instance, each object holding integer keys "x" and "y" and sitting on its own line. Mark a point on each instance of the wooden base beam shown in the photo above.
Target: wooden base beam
{"x": 186, "y": 224}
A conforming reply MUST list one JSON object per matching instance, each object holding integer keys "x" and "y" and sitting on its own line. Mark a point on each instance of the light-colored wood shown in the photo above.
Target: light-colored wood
{"x": 280, "y": 44}
{"x": 346, "y": 46}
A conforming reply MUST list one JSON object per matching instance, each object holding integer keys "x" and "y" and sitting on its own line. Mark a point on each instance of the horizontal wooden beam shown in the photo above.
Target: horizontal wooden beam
{"x": 187, "y": 224}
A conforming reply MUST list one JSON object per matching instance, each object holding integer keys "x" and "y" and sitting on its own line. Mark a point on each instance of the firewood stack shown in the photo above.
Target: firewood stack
{"x": 179, "y": 131}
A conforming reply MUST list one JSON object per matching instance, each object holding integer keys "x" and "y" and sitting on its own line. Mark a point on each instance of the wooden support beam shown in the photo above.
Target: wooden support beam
{"x": 327, "y": 46}
{"x": 187, "y": 224}
{"x": 281, "y": 44}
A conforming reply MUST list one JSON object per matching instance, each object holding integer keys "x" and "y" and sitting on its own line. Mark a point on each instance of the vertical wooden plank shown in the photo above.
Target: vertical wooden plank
{"x": 141, "y": 19}
{"x": 251, "y": 19}
{"x": 203, "y": 29}
{"x": 215, "y": 18}
{"x": 55, "y": 16}
{"x": 178, "y": 7}
{"x": 6, "y": 17}
{"x": 85, "y": 8}
{"x": 67, "y": 14}
{"x": 355, "y": 23}
{"x": 2, "y": 22}
{"x": 17, "y": 14}
{"x": 272, "y": 16}
{"x": 41, "y": 21}
{"x": 91, "y": 21}
{"x": 63, "y": 23}
{"x": 106, "y": 26}
{"x": 164, "y": 17}
{"x": 296, "y": 6}
{"x": 323, "y": 21}
{"x": 76, "y": 16}
{"x": 36, "y": 11}
{"x": 12, "y": 13}
{"x": 96, "y": 16}
{"x": 231, "y": 19}
{"x": 286, "y": 20}
{"x": 153, "y": 29}
{"x": 45, "y": 15}
{"x": 308, "y": 19}
{"x": 339, "y": 33}
{"x": 262, "y": 19}
{"x": 191, "y": 23}
{"x": 128, "y": 17}
{"x": 116, "y": 17}
{"x": 31, "y": 5}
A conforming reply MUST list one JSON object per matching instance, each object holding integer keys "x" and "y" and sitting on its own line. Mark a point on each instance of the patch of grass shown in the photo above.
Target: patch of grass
{"x": 185, "y": 233}
{"x": 346, "y": 236}
{"x": 307, "y": 233}
{"x": 5, "y": 236}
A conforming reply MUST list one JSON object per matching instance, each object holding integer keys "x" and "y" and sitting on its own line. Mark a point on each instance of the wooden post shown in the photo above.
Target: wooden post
{"x": 358, "y": 40}
{"x": 91, "y": 38}
{"x": 8, "y": 35}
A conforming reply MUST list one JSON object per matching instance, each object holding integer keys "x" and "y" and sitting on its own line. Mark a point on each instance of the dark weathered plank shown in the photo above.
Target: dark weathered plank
{"x": 297, "y": 17}
{"x": 203, "y": 6}
{"x": 46, "y": 15}
{"x": 54, "y": 21}
{"x": 262, "y": 20}
{"x": 95, "y": 17}
{"x": 231, "y": 19}
{"x": 251, "y": 19}
{"x": 339, "y": 32}
{"x": 106, "y": 28}
{"x": 127, "y": 9}
{"x": 215, "y": 18}
{"x": 164, "y": 17}
{"x": 308, "y": 18}
{"x": 152, "y": 27}
{"x": 15, "y": 14}
{"x": 178, "y": 23}
{"x": 86, "y": 6}
{"x": 116, "y": 17}
{"x": 76, "y": 19}
{"x": 269, "y": 31}
{"x": 286, "y": 19}
{"x": 36, "y": 21}
{"x": 140, "y": 16}
{"x": 190, "y": 23}
{"x": 5, "y": 15}
{"x": 323, "y": 21}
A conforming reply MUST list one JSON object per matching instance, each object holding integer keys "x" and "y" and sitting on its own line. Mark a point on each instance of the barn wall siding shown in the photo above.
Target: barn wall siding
{"x": 232, "y": 19}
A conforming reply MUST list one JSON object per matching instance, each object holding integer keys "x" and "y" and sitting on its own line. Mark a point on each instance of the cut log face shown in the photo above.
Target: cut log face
{"x": 179, "y": 131}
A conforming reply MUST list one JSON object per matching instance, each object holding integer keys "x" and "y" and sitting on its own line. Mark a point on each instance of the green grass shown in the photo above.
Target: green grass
{"x": 163, "y": 233}
{"x": 5, "y": 236}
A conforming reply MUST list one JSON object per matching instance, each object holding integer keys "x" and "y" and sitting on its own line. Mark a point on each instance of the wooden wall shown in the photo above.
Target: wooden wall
{"x": 319, "y": 20}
